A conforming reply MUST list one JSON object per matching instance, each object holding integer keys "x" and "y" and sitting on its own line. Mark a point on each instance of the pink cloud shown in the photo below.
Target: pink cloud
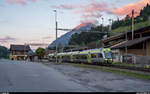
{"x": 91, "y": 15}
{"x": 32, "y": 0}
{"x": 93, "y": 10}
{"x": 11, "y": 1}
{"x": 22, "y": 2}
{"x": 87, "y": 21}
{"x": 64, "y": 6}
{"x": 127, "y": 9}
{"x": 7, "y": 38}
{"x": 94, "y": 6}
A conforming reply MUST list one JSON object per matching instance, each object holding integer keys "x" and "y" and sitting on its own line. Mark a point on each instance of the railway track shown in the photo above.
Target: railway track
{"x": 122, "y": 67}
{"x": 130, "y": 68}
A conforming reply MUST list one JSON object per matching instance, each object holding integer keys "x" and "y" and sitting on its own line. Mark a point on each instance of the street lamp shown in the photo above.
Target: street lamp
{"x": 56, "y": 32}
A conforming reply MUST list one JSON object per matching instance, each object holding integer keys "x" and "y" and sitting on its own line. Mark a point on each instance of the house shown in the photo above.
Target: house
{"x": 123, "y": 44}
{"x": 19, "y": 52}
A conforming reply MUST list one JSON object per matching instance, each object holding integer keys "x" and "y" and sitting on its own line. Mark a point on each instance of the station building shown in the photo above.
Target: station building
{"x": 124, "y": 44}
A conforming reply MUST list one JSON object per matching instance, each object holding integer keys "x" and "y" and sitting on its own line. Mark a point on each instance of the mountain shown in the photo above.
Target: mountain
{"x": 64, "y": 39}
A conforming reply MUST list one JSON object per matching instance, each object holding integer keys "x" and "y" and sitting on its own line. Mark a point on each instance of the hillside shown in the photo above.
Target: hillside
{"x": 128, "y": 28}
{"x": 140, "y": 21}
{"x": 64, "y": 39}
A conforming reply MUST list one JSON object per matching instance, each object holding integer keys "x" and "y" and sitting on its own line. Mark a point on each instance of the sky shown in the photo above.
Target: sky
{"x": 33, "y": 21}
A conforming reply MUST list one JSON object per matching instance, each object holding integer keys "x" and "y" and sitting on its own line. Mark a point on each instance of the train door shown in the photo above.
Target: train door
{"x": 71, "y": 58}
{"x": 89, "y": 58}
{"x": 93, "y": 57}
{"x": 100, "y": 58}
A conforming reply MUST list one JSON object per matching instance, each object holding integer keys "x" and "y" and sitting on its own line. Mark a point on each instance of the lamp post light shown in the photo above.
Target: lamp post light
{"x": 56, "y": 32}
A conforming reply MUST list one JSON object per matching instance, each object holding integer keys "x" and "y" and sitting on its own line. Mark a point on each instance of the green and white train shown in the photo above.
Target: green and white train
{"x": 100, "y": 55}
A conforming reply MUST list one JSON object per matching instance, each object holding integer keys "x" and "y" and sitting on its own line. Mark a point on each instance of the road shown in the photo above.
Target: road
{"x": 20, "y": 76}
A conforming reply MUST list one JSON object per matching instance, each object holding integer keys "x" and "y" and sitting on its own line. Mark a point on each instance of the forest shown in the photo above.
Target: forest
{"x": 118, "y": 26}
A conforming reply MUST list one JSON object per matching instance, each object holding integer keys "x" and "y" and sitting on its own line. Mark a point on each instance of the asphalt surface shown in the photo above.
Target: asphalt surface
{"x": 99, "y": 81}
{"x": 20, "y": 76}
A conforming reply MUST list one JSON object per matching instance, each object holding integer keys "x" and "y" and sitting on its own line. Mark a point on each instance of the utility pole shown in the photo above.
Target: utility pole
{"x": 24, "y": 51}
{"x": 56, "y": 32}
{"x": 126, "y": 47}
{"x": 102, "y": 23}
{"x": 132, "y": 24}
{"x": 110, "y": 23}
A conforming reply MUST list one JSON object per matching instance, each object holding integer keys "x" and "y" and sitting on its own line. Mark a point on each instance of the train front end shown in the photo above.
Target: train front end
{"x": 108, "y": 55}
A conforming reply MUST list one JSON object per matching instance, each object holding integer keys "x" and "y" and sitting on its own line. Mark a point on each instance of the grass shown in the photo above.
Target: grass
{"x": 117, "y": 71}
{"x": 128, "y": 28}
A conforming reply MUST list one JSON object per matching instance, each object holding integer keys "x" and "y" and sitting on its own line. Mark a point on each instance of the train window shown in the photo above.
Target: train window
{"x": 100, "y": 55}
{"x": 83, "y": 56}
{"x": 66, "y": 57}
{"x": 93, "y": 55}
{"x": 59, "y": 57}
{"x": 53, "y": 57}
{"x": 76, "y": 56}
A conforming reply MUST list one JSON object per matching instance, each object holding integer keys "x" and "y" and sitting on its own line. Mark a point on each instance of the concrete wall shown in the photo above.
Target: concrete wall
{"x": 142, "y": 59}
{"x": 116, "y": 55}
{"x": 137, "y": 52}
{"x": 148, "y": 48}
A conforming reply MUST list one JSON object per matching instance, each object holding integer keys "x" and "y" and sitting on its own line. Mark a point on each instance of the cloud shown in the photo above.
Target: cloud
{"x": 91, "y": 15}
{"x": 93, "y": 10}
{"x": 46, "y": 37}
{"x": 38, "y": 44}
{"x": 22, "y": 2}
{"x": 124, "y": 10}
{"x": 64, "y": 6}
{"x": 7, "y": 39}
{"x": 94, "y": 6}
{"x": 87, "y": 21}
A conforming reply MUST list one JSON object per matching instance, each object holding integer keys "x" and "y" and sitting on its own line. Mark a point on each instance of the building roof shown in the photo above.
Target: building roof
{"x": 129, "y": 32}
{"x": 20, "y": 47}
{"x": 130, "y": 43}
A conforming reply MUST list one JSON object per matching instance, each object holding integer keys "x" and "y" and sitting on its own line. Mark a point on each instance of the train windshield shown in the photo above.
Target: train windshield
{"x": 108, "y": 55}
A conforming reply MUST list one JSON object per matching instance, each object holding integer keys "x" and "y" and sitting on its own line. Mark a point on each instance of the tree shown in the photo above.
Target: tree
{"x": 4, "y": 53}
{"x": 40, "y": 52}
{"x": 85, "y": 38}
